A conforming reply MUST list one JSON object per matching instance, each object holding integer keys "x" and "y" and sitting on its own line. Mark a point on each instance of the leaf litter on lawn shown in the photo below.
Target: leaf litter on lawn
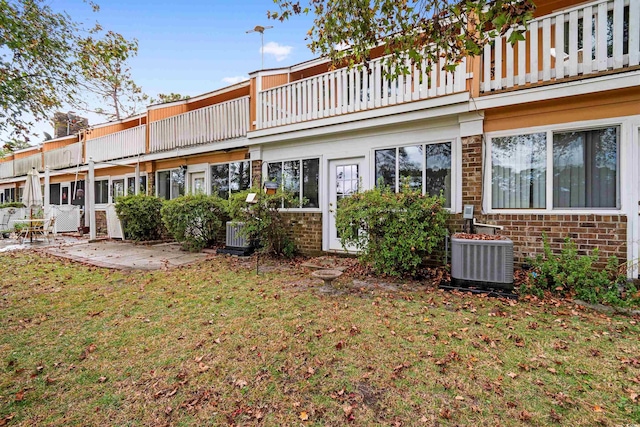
{"x": 214, "y": 343}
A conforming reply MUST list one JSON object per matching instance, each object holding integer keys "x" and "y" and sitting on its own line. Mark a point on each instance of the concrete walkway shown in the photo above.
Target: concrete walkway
{"x": 126, "y": 256}
{"x": 109, "y": 254}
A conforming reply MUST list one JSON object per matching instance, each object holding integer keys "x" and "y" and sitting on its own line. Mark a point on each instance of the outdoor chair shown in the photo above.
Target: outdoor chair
{"x": 4, "y": 224}
{"x": 49, "y": 229}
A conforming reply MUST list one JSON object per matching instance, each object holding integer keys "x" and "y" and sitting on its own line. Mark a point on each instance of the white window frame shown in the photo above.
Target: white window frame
{"x": 95, "y": 181}
{"x": 133, "y": 175}
{"x": 186, "y": 174}
{"x": 265, "y": 176}
{"x": 550, "y": 130}
{"x": 209, "y": 174}
{"x": 455, "y": 167}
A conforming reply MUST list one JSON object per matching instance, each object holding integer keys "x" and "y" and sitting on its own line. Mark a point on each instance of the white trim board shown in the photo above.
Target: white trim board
{"x": 401, "y": 113}
{"x": 557, "y": 90}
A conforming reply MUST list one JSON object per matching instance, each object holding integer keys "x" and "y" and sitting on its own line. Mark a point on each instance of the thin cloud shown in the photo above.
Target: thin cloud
{"x": 234, "y": 80}
{"x": 279, "y": 51}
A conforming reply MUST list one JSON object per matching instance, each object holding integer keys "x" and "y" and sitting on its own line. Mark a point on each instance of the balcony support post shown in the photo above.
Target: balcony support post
{"x": 90, "y": 200}
{"x": 137, "y": 179}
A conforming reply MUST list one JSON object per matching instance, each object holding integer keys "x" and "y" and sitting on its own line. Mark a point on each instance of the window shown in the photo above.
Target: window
{"x": 583, "y": 170}
{"x": 102, "y": 191}
{"x": 424, "y": 167}
{"x": 585, "y": 165}
{"x": 9, "y": 195}
{"x": 171, "y": 183}
{"x": 54, "y": 194}
{"x": 518, "y": 170}
{"x": 77, "y": 193}
{"x": 118, "y": 188}
{"x": 300, "y": 177}
{"x": 131, "y": 182}
{"x": 229, "y": 178}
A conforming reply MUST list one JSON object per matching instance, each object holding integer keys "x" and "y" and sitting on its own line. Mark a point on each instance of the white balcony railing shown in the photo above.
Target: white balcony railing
{"x": 6, "y": 169}
{"x": 345, "y": 91}
{"x": 583, "y": 40}
{"x": 64, "y": 157}
{"x": 126, "y": 143}
{"x": 25, "y": 164}
{"x": 226, "y": 120}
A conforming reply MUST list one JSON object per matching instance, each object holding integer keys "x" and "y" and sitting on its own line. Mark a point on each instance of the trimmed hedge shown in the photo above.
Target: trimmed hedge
{"x": 195, "y": 220}
{"x": 140, "y": 216}
{"x": 392, "y": 232}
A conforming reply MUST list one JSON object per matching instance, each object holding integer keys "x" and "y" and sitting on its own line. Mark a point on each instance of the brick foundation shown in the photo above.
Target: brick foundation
{"x": 305, "y": 228}
{"x": 606, "y": 232}
{"x": 256, "y": 173}
{"x": 101, "y": 223}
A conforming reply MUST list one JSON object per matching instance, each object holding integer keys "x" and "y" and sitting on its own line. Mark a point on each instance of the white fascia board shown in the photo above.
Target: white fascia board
{"x": 558, "y": 90}
{"x": 115, "y": 122}
{"x": 163, "y": 155}
{"x": 401, "y": 113}
{"x": 231, "y": 144}
{"x": 35, "y": 148}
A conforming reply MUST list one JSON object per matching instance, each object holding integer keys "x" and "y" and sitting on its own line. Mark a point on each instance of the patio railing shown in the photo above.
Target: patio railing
{"x": 346, "y": 91}
{"x": 218, "y": 122}
{"x": 126, "y": 143}
{"x": 584, "y": 40}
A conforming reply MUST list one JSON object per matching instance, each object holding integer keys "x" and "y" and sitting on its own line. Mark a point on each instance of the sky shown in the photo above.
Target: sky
{"x": 193, "y": 47}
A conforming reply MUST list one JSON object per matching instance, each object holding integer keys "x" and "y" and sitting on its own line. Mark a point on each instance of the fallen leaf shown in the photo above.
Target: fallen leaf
{"x": 524, "y": 416}
{"x": 304, "y": 416}
{"x": 20, "y": 396}
{"x": 555, "y": 416}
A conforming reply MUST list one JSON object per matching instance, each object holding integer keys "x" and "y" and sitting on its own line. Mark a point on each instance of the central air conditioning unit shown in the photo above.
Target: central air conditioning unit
{"x": 482, "y": 263}
{"x": 236, "y": 243}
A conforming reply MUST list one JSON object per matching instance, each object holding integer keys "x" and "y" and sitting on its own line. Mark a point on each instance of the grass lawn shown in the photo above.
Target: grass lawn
{"x": 212, "y": 344}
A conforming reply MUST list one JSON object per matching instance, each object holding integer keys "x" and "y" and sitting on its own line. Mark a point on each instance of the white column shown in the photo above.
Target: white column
{"x": 137, "y": 178}
{"x": 46, "y": 194}
{"x": 89, "y": 200}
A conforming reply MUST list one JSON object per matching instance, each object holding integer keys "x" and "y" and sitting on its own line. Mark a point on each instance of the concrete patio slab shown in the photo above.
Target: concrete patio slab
{"x": 126, "y": 256}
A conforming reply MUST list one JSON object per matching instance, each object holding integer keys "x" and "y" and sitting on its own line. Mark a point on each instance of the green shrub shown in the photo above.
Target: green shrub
{"x": 140, "y": 216}
{"x": 571, "y": 274}
{"x": 19, "y": 226}
{"x": 195, "y": 220}
{"x": 263, "y": 220}
{"x": 12, "y": 205}
{"x": 393, "y": 232}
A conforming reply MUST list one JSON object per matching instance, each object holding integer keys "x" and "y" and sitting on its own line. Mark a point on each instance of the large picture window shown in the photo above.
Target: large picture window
{"x": 579, "y": 167}
{"x": 424, "y": 167}
{"x": 171, "y": 183}
{"x": 585, "y": 169}
{"x": 230, "y": 178}
{"x": 299, "y": 177}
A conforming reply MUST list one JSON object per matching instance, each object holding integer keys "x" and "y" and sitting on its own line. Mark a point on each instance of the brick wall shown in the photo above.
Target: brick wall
{"x": 606, "y": 232}
{"x": 305, "y": 228}
{"x": 101, "y": 223}
{"x": 256, "y": 173}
